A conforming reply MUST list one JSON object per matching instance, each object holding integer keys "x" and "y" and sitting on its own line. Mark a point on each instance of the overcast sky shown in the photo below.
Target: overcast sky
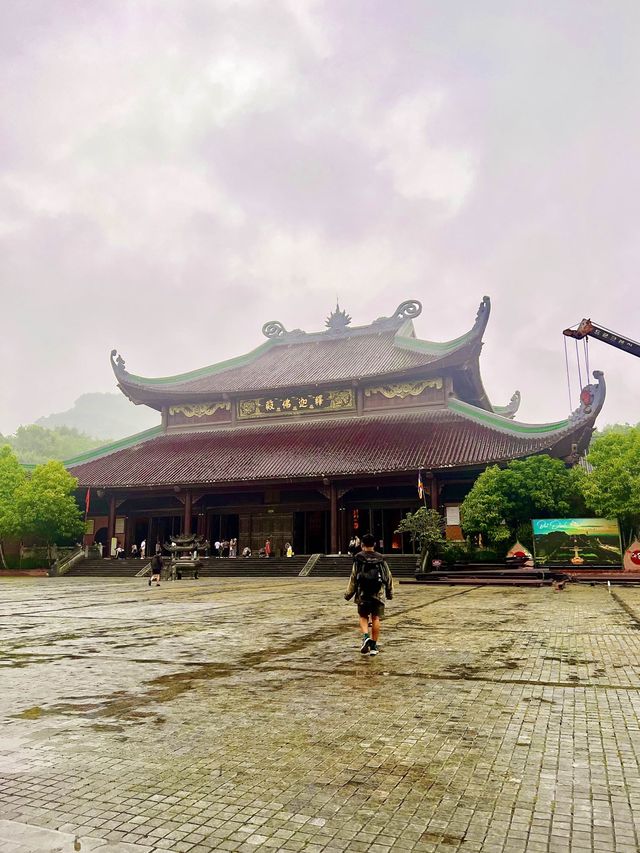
{"x": 174, "y": 174}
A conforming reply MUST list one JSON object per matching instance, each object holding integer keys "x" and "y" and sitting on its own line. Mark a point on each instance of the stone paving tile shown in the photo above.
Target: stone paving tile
{"x": 238, "y": 714}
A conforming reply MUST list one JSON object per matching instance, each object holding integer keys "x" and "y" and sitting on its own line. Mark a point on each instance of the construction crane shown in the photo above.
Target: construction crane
{"x": 587, "y": 329}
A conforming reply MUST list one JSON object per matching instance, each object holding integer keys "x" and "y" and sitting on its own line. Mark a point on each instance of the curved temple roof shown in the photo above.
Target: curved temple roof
{"x": 457, "y": 436}
{"x": 385, "y": 347}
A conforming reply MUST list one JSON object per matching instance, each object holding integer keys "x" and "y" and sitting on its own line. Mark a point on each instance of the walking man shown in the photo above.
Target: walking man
{"x": 157, "y": 564}
{"x": 371, "y": 582}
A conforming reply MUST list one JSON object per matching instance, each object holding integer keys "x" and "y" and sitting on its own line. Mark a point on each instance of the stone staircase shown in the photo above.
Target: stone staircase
{"x": 106, "y": 568}
{"x": 401, "y": 565}
{"x": 253, "y": 567}
{"x": 330, "y": 566}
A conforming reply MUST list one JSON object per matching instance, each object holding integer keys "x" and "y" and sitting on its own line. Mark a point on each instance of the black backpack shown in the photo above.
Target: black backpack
{"x": 369, "y": 578}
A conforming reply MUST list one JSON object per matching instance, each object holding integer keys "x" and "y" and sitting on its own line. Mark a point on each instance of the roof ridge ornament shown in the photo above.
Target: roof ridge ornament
{"x": 591, "y": 398}
{"x": 482, "y": 317}
{"x": 274, "y": 329}
{"x": 338, "y": 320}
{"x": 117, "y": 362}
{"x": 408, "y": 309}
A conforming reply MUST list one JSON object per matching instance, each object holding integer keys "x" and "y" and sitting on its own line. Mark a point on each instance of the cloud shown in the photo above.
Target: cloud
{"x": 172, "y": 175}
{"x": 421, "y": 170}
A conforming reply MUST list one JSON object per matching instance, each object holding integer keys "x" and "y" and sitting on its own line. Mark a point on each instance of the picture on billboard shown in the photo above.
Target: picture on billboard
{"x": 577, "y": 542}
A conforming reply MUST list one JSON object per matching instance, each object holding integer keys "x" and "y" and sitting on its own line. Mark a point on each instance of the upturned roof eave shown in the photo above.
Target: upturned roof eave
{"x": 142, "y": 389}
{"x": 571, "y": 435}
{"x": 584, "y": 416}
{"x": 159, "y": 396}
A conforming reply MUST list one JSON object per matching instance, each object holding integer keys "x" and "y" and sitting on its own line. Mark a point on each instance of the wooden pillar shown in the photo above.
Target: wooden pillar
{"x": 186, "y": 527}
{"x": 333, "y": 497}
{"x": 111, "y": 524}
{"x": 344, "y": 536}
{"x": 433, "y": 492}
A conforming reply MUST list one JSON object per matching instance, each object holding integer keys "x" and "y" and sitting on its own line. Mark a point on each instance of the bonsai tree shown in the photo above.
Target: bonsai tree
{"x": 425, "y": 529}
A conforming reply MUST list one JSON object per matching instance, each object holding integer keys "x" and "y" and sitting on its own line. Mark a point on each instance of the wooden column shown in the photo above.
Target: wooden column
{"x": 433, "y": 492}
{"x": 186, "y": 527}
{"x": 333, "y": 497}
{"x": 111, "y": 524}
{"x": 344, "y": 536}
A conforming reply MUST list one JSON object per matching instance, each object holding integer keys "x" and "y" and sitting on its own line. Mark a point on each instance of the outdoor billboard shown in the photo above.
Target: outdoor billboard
{"x": 577, "y": 542}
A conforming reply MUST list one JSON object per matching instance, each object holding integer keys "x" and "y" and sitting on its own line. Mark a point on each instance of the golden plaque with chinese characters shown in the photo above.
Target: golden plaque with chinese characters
{"x": 339, "y": 400}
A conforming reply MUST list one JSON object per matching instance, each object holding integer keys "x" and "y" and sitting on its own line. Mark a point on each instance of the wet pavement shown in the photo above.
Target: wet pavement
{"x": 238, "y": 714}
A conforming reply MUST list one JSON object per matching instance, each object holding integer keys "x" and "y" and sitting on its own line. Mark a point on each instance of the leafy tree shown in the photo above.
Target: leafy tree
{"x": 504, "y": 500}
{"x": 425, "y": 529}
{"x": 12, "y": 477}
{"x": 34, "y": 444}
{"x": 46, "y": 505}
{"x": 612, "y": 487}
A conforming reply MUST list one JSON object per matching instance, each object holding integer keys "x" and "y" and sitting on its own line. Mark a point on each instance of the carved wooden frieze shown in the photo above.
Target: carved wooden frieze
{"x": 199, "y": 410}
{"x": 404, "y": 389}
{"x": 405, "y": 395}
{"x": 338, "y": 400}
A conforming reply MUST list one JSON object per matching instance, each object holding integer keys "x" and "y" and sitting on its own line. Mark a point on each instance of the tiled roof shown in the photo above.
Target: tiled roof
{"x": 293, "y": 359}
{"x": 309, "y": 362}
{"x": 343, "y": 446}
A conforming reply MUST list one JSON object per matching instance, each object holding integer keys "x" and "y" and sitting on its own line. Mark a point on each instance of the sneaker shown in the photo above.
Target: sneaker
{"x": 149, "y": 583}
{"x": 366, "y": 644}
{"x": 373, "y": 650}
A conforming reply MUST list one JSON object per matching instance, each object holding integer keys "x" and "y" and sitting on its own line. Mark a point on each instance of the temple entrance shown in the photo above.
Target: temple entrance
{"x": 141, "y": 532}
{"x": 101, "y": 537}
{"x": 224, "y": 526}
{"x": 275, "y": 526}
{"x": 311, "y": 532}
{"x": 382, "y": 522}
{"x": 161, "y": 529}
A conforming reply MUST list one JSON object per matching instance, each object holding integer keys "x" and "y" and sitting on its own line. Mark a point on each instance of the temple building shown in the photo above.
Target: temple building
{"x": 313, "y": 436}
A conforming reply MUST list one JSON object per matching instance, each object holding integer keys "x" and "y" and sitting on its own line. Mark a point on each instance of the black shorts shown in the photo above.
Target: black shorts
{"x": 373, "y": 607}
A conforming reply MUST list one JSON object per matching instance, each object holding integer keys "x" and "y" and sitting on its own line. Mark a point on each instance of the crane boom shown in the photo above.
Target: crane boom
{"x": 588, "y": 329}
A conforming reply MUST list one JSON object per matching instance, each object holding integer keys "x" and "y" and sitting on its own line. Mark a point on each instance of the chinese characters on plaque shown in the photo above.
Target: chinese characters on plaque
{"x": 296, "y": 404}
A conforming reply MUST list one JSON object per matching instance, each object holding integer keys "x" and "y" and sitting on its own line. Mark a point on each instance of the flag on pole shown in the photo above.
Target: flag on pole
{"x": 420, "y": 486}
{"x": 87, "y": 502}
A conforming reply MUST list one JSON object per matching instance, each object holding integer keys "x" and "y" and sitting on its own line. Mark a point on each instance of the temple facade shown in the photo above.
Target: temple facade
{"x": 313, "y": 436}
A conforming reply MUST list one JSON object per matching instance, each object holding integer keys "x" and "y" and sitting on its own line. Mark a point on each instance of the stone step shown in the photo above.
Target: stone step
{"x": 212, "y": 567}
{"x": 253, "y": 567}
{"x": 401, "y": 565}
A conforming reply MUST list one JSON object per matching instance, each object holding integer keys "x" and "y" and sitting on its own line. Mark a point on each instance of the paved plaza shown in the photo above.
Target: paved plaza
{"x": 238, "y": 715}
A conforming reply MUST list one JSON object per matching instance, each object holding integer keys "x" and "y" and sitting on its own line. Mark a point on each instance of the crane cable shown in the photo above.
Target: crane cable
{"x": 566, "y": 362}
{"x": 586, "y": 356}
{"x": 580, "y": 386}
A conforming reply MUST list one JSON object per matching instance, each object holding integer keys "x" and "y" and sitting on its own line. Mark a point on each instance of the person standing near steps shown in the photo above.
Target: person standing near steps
{"x": 370, "y": 582}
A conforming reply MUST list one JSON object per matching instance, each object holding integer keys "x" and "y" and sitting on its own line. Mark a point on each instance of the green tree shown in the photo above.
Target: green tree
{"x": 612, "y": 487}
{"x": 46, "y": 505}
{"x": 425, "y": 529}
{"x": 503, "y": 501}
{"x": 12, "y": 477}
{"x": 35, "y": 444}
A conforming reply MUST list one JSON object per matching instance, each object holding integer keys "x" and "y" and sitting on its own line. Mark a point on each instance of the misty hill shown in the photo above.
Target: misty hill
{"x": 105, "y": 416}
{"x": 34, "y": 444}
